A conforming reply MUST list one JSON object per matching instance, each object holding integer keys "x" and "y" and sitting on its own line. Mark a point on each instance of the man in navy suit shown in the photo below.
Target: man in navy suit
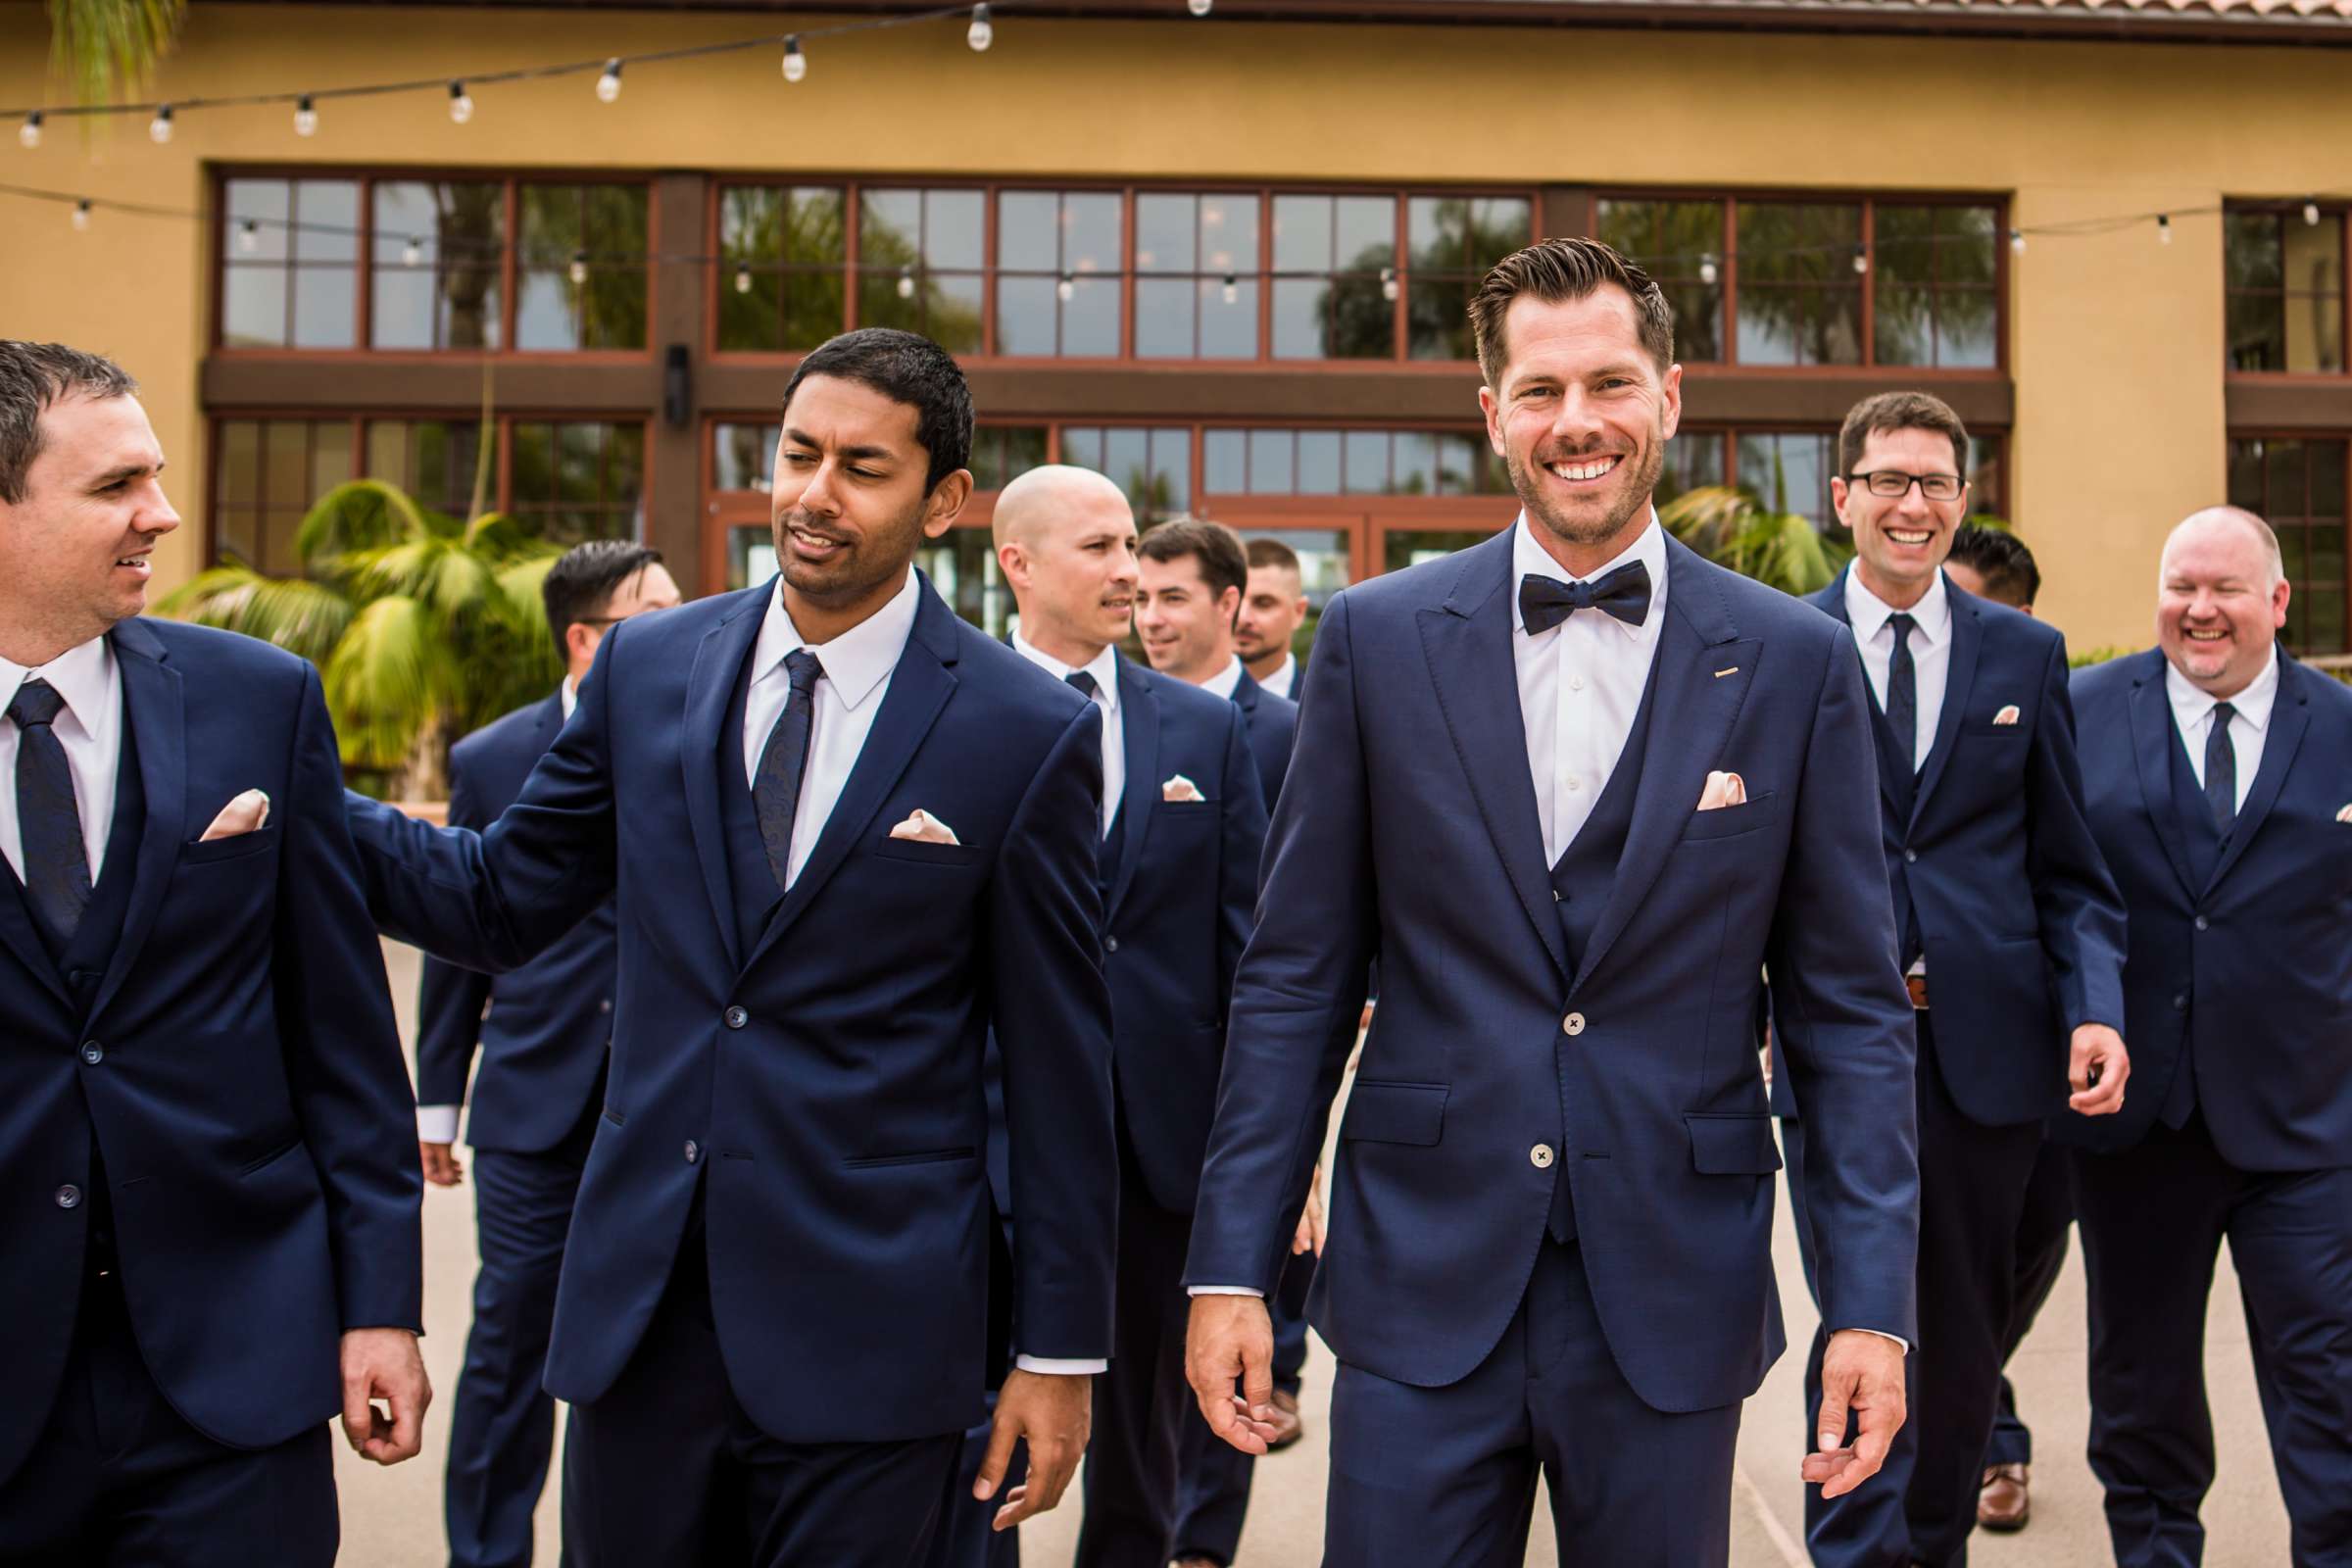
{"x": 1181, "y": 827}
{"x": 205, "y": 1124}
{"x": 2220, "y": 777}
{"x": 1274, "y": 607}
{"x": 846, "y": 836}
{"x": 542, "y": 1030}
{"x": 1575, "y": 786}
{"x": 1997, "y": 887}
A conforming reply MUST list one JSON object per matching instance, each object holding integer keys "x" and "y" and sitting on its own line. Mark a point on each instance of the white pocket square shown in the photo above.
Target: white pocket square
{"x": 1723, "y": 789}
{"x": 243, "y": 814}
{"x": 924, "y": 828}
{"x": 2344, "y": 815}
{"x": 2007, "y": 716}
{"x": 1180, "y": 788}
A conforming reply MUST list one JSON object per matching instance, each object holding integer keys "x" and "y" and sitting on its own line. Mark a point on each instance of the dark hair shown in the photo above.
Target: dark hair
{"x": 33, "y": 377}
{"x": 1273, "y": 553}
{"x": 580, "y": 585}
{"x": 905, "y": 367}
{"x": 2001, "y": 560}
{"x": 1556, "y": 272}
{"x": 1217, "y": 547}
{"x": 1900, "y": 411}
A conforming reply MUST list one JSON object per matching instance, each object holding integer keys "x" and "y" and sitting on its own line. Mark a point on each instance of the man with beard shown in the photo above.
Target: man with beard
{"x": 1575, "y": 786}
{"x": 846, "y": 835}
{"x": 1273, "y": 608}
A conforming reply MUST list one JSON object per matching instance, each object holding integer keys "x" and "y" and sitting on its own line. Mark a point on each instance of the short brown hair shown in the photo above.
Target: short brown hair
{"x": 33, "y": 377}
{"x": 1900, "y": 411}
{"x": 1216, "y": 547}
{"x": 1556, "y": 272}
{"x": 1273, "y": 553}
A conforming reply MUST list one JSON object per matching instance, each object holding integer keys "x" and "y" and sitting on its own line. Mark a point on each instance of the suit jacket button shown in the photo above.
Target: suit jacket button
{"x": 694, "y": 1152}
{"x": 1910, "y": 857}
{"x": 737, "y": 1017}
{"x": 68, "y": 1197}
{"x": 92, "y": 1052}
{"x": 1540, "y": 1157}
{"x": 2180, "y": 1003}
{"x": 1111, "y": 944}
{"x": 2200, "y": 922}
{"x": 604, "y": 1005}
{"x": 1573, "y": 1024}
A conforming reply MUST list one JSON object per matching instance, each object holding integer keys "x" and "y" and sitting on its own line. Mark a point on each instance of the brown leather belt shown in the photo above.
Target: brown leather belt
{"x": 1918, "y": 984}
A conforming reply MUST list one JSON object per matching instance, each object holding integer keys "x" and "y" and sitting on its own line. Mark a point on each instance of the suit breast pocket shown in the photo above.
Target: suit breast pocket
{"x": 1728, "y": 821}
{"x": 922, "y": 851}
{"x": 236, "y": 847}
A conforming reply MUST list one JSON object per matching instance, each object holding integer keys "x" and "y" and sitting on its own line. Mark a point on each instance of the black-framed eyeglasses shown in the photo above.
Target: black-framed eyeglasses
{"x": 1893, "y": 484}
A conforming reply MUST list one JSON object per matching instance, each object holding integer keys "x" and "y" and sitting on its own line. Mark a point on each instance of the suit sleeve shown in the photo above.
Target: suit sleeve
{"x": 1244, "y": 828}
{"x": 1300, "y": 990}
{"x": 341, "y": 1043}
{"x": 2075, "y": 898}
{"x": 1051, "y": 1010}
{"x": 1842, "y": 1022}
{"x": 450, "y": 1001}
{"x": 494, "y": 899}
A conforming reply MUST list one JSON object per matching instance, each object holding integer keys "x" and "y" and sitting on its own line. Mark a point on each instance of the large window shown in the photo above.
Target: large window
{"x": 266, "y": 473}
{"x": 920, "y": 255}
{"x": 1280, "y": 461}
{"x": 2299, "y": 484}
{"x": 288, "y": 277}
{"x": 2284, "y": 274}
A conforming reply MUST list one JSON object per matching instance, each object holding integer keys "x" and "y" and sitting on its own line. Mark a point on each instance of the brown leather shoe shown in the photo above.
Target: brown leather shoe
{"x": 1287, "y": 1427}
{"x": 2002, "y": 1502}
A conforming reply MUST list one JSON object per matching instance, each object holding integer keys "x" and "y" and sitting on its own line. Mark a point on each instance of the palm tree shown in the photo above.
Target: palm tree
{"x": 1732, "y": 528}
{"x": 423, "y": 627}
{"x": 101, "y": 46}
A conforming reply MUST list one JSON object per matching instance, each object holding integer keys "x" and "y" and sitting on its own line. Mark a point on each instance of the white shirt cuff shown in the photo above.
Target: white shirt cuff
{"x": 1051, "y": 1368}
{"x": 1883, "y": 1335}
{"x": 1225, "y": 1290}
{"x": 436, "y": 1124}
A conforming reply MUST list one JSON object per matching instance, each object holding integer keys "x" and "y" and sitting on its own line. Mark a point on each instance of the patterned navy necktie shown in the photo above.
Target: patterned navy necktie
{"x": 1902, "y": 691}
{"x": 56, "y": 866}
{"x": 2221, "y": 769}
{"x": 776, "y": 787}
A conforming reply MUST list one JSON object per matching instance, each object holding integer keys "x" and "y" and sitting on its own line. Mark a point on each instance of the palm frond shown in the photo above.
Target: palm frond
{"x": 102, "y": 45}
{"x": 362, "y": 515}
{"x": 393, "y": 673}
{"x": 301, "y": 616}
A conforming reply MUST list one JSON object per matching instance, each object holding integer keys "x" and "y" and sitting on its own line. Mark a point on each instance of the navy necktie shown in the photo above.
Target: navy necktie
{"x": 2220, "y": 769}
{"x": 1903, "y": 692}
{"x": 776, "y": 787}
{"x": 57, "y": 866}
{"x": 1084, "y": 682}
{"x": 1546, "y": 602}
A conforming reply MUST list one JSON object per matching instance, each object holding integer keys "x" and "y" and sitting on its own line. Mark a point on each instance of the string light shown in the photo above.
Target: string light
{"x": 1708, "y": 272}
{"x": 1232, "y": 289}
{"x": 2163, "y": 229}
{"x": 906, "y": 282}
{"x": 29, "y": 134}
{"x": 796, "y": 64}
{"x": 743, "y": 279}
{"x": 412, "y": 253}
{"x": 982, "y": 31}
{"x": 159, "y": 130}
{"x": 81, "y": 217}
{"x": 1388, "y": 284}
{"x": 608, "y": 85}
{"x": 580, "y": 267}
{"x": 249, "y": 237}
{"x": 306, "y": 117}
{"x": 1199, "y": 7}
{"x": 461, "y": 107}
{"x": 1861, "y": 260}
{"x": 1066, "y": 289}
{"x": 2311, "y": 215}
{"x": 2017, "y": 242}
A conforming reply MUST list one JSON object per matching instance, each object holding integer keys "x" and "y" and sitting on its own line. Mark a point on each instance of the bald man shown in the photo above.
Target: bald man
{"x": 2219, "y": 779}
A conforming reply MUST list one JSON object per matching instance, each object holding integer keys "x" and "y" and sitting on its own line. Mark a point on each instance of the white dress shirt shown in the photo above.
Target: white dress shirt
{"x": 1931, "y": 651}
{"x": 1225, "y": 682}
{"x": 1284, "y": 682}
{"x": 570, "y": 692}
{"x": 1104, "y": 667}
{"x": 1581, "y": 684}
{"x": 2192, "y": 715}
{"x": 89, "y": 727}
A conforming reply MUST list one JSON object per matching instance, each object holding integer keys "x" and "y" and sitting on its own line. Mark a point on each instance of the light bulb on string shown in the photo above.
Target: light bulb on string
{"x": 743, "y": 279}
{"x": 249, "y": 237}
{"x": 306, "y": 117}
{"x": 81, "y": 217}
{"x": 2163, "y": 229}
{"x": 1708, "y": 272}
{"x": 1232, "y": 289}
{"x": 982, "y": 31}
{"x": 1066, "y": 289}
{"x": 29, "y": 134}
{"x": 906, "y": 282}
{"x": 796, "y": 64}
{"x": 580, "y": 267}
{"x": 1861, "y": 260}
{"x": 159, "y": 130}
{"x": 1388, "y": 284}
{"x": 2311, "y": 215}
{"x": 461, "y": 105}
{"x": 608, "y": 85}
{"x": 1199, "y": 7}
{"x": 412, "y": 253}
{"x": 2017, "y": 242}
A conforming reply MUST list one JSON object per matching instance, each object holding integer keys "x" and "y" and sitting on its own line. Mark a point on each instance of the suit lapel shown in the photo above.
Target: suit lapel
{"x": 154, "y": 710}
{"x": 1246, "y": 693}
{"x": 2152, "y": 741}
{"x": 2291, "y": 716}
{"x": 919, "y": 687}
{"x": 1139, "y": 718}
{"x": 1830, "y": 602}
{"x": 1959, "y": 676}
{"x": 17, "y": 930}
{"x": 1699, "y": 682}
{"x": 1468, "y": 642}
{"x": 703, "y": 753}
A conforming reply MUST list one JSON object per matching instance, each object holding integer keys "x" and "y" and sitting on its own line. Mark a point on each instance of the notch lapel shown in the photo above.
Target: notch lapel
{"x": 703, "y": 749}
{"x": 16, "y": 929}
{"x": 1139, "y": 721}
{"x": 2291, "y": 716}
{"x": 1467, "y": 643}
{"x": 153, "y": 706}
{"x": 2152, "y": 740}
{"x": 1960, "y": 674}
{"x": 1830, "y": 602}
{"x": 1691, "y": 719}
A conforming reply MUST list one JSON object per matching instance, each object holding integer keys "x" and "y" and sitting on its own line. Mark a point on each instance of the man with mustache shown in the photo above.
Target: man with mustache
{"x": 1575, "y": 787}
{"x": 847, "y": 836}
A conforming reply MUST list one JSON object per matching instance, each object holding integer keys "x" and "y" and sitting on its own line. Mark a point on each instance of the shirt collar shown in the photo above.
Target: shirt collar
{"x": 571, "y": 694}
{"x": 83, "y": 675}
{"x": 1225, "y": 682}
{"x": 1931, "y": 616}
{"x": 1286, "y": 674}
{"x": 1103, "y": 667}
{"x": 1528, "y": 558}
{"x": 859, "y": 660}
{"x": 2191, "y": 703}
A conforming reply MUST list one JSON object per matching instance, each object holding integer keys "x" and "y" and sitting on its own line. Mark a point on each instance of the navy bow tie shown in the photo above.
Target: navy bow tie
{"x": 1546, "y": 602}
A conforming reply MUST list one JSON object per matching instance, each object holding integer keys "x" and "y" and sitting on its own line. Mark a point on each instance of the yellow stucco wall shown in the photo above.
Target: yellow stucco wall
{"x": 2117, "y": 342}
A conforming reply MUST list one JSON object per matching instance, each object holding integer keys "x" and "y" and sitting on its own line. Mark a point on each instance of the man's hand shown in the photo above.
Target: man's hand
{"x": 1862, "y": 1373}
{"x": 384, "y": 1364}
{"x": 1308, "y": 1238}
{"x": 441, "y": 1167}
{"x": 2097, "y": 1064}
{"x": 1053, "y": 1411}
{"x": 1231, "y": 1337}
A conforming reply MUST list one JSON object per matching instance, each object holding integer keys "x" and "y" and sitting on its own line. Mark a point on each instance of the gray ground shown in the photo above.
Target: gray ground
{"x": 392, "y": 1519}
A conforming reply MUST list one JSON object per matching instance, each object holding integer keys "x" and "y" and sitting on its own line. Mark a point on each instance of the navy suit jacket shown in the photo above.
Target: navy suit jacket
{"x": 823, "y": 1082}
{"x": 1273, "y": 724}
{"x": 248, "y": 1095}
{"x": 1414, "y": 832}
{"x": 2245, "y": 977}
{"x": 1997, "y": 860}
{"x": 1177, "y": 918}
{"x": 549, "y": 1021}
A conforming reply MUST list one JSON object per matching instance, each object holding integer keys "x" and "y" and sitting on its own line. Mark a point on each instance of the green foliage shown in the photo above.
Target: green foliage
{"x": 1732, "y": 528}
{"x": 2081, "y": 658}
{"x": 423, "y": 627}
{"x": 101, "y": 46}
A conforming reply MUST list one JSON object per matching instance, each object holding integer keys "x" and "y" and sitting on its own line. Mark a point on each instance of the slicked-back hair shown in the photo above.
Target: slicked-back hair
{"x": 905, "y": 367}
{"x": 33, "y": 377}
{"x": 1217, "y": 547}
{"x": 1899, "y": 411}
{"x": 1558, "y": 271}
{"x": 2001, "y": 560}
{"x": 1274, "y": 552}
{"x": 580, "y": 585}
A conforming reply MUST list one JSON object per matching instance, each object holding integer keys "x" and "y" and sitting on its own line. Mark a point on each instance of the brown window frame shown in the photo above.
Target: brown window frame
{"x": 2305, "y": 437}
{"x": 2339, "y": 213}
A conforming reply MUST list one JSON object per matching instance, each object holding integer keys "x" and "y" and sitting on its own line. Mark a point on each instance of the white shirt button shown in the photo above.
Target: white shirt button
{"x": 1575, "y": 783}
{"x": 1573, "y": 1024}
{"x": 1540, "y": 1157}
{"x": 1576, "y": 683}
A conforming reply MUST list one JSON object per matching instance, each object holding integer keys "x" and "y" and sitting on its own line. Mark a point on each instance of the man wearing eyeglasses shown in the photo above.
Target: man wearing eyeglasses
{"x": 2007, "y": 919}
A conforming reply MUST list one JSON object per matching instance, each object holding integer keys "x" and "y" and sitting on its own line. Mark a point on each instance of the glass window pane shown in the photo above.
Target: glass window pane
{"x": 2252, "y": 251}
{"x": 1225, "y": 462}
{"x": 1416, "y": 462}
{"x": 266, "y": 204}
{"x": 2246, "y": 477}
{"x": 1367, "y": 461}
{"x": 2327, "y": 483}
{"x": 1438, "y": 317}
{"x": 1127, "y": 459}
{"x": 951, "y": 314}
{"x": 1298, "y": 305}
{"x": 1172, "y": 467}
{"x": 1163, "y": 316}
{"x": 1228, "y": 234}
{"x": 327, "y": 306}
{"x": 1365, "y": 232}
{"x": 1459, "y": 463}
{"x": 1498, "y": 225}
{"x": 1082, "y": 447}
{"x": 1004, "y": 453}
{"x": 1028, "y": 237}
{"x": 1437, "y": 229}
{"x": 286, "y": 465}
{"x": 253, "y": 307}
{"x": 402, "y": 306}
{"x": 2287, "y": 470}
{"x": 1025, "y": 315}
{"x": 579, "y": 462}
{"x": 1318, "y": 463}
{"x": 1302, "y": 229}
{"x": 1801, "y": 300}
{"x": 952, "y": 227}
{"x": 815, "y": 233}
{"x": 1228, "y": 325}
{"x": 1411, "y": 547}
{"x": 544, "y": 313}
{"x": 745, "y": 457}
{"x": 1964, "y": 329}
{"x": 813, "y": 309}
{"x": 1677, "y": 243}
{"x": 1789, "y": 472}
{"x": 1165, "y": 232}
{"x": 1270, "y": 467}
{"x": 1090, "y": 322}
{"x": 2257, "y": 331}
{"x": 751, "y": 224}
{"x": 751, "y": 322}
{"x": 239, "y": 482}
{"x": 1363, "y": 321}
{"x": 330, "y": 456}
{"x": 328, "y": 211}
{"x": 442, "y": 472}
{"x": 890, "y": 227}
{"x": 1694, "y": 460}
{"x": 1091, "y": 232}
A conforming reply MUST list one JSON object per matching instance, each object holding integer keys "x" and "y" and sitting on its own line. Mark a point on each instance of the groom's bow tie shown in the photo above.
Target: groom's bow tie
{"x": 1546, "y": 602}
